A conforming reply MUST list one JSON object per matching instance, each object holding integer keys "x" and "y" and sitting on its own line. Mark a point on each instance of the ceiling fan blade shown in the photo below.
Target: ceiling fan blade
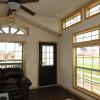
{"x": 27, "y": 10}
{"x": 26, "y": 1}
{"x": 3, "y": 1}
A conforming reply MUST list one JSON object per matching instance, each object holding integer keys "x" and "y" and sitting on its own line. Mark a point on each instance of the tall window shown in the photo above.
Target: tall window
{"x": 93, "y": 9}
{"x": 67, "y": 22}
{"x": 86, "y": 61}
{"x": 11, "y": 55}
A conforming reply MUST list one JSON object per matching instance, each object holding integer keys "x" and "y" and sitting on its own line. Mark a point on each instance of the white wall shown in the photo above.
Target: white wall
{"x": 49, "y": 22}
{"x": 65, "y": 44}
{"x": 30, "y": 47}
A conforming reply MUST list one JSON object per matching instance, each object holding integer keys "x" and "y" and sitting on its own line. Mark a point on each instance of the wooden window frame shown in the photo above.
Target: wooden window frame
{"x": 17, "y": 51}
{"x": 70, "y": 16}
{"x": 89, "y": 6}
{"x": 75, "y": 45}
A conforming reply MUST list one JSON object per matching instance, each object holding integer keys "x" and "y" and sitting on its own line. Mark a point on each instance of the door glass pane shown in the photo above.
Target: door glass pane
{"x": 47, "y": 55}
{"x": 51, "y": 62}
{"x": 51, "y": 48}
{"x": 48, "y": 49}
{"x": 43, "y": 48}
{"x": 51, "y": 55}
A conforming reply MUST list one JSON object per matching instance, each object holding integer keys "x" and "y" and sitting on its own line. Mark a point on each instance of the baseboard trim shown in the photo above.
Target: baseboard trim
{"x": 73, "y": 92}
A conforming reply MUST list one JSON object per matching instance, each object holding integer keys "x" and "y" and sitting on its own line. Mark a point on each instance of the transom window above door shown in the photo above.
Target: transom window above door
{"x": 12, "y": 29}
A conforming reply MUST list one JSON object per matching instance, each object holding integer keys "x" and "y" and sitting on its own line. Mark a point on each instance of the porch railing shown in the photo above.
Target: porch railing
{"x": 10, "y": 65}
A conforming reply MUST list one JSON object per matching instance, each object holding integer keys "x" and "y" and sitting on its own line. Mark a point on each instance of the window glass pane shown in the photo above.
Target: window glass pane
{"x": 87, "y": 34}
{"x": 1, "y": 31}
{"x": 9, "y": 56}
{"x": 95, "y": 51}
{"x": 88, "y": 62}
{"x": 96, "y": 82}
{"x": 20, "y": 32}
{"x": 18, "y": 55}
{"x": 96, "y": 32}
{"x": 96, "y": 76}
{"x": 2, "y": 47}
{"x": 95, "y": 10}
{"x": 13, "y": 30}
{"x": 72, "y": 20}
{"x": 2, "y": 56}
{"x": 6, "y": 29}
{"x": 96, "y": 63}
{"x": 87, "y": 79}
{"x": 80, "y": 62}
{"x": 64, "y": 25}
{"x": 80, "y": 52}
{"x": 79, "y": 36}
{"x": 87, "y": 51}
{"x": 93, "y": 35}
{"x": 10, "y": 47}
{"x": 18, "y": 47}
{"x": 87, "y": 39}
{"x": 79, "y": 77}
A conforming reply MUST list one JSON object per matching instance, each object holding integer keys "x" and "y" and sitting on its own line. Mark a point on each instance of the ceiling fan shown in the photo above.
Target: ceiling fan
{"x": 15, "y": 5}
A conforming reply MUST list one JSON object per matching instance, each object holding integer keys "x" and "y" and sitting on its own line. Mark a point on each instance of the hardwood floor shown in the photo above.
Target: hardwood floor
{"x": 52, "y": 93}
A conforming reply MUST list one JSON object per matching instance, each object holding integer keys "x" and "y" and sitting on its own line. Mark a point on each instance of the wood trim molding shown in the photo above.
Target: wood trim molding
{"x": 40, "y": 26}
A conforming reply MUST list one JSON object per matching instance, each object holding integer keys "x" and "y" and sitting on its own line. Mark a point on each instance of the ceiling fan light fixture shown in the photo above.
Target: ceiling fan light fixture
{"x": 13, "y": 5}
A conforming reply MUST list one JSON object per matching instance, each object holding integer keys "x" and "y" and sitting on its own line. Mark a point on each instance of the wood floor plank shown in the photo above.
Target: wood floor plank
{"x": 52, "y": 93}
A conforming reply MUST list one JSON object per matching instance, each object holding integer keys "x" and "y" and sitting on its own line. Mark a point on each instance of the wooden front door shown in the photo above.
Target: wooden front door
{"x": 47, "y": 64}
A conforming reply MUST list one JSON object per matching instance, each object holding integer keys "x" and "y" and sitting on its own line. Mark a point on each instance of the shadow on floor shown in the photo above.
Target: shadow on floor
{"x": 52, "y": 93}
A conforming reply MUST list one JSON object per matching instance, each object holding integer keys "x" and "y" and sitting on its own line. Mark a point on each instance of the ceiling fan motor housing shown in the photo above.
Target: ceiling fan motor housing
{"x": 13, "y": 5}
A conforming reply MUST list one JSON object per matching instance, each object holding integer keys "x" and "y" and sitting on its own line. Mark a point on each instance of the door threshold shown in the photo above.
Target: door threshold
{"x": 48, "y": 86}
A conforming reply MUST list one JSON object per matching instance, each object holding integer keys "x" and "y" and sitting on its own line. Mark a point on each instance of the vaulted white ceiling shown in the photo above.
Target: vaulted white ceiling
{"x": 50, "y": 8}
